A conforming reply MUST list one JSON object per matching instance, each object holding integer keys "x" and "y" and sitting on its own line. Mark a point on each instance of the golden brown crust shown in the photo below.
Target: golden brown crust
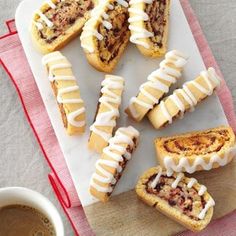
{"x": 60, "y": 40}
{"x": 67, "y": 109}
{"x": 157, "y": 25}
{"x": 98, "y": 141}
{"x": 104, "y": 53}
{"x": 193, "y": 146}
{"x": 157, "y": 85}
{"x": 109, "y": 169}
{"x": 186, "y": 98}
{"x": 152, "y": 199}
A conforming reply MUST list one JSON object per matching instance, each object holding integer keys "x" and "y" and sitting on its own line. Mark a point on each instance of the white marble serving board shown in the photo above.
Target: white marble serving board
{"x": 134, "y": 68}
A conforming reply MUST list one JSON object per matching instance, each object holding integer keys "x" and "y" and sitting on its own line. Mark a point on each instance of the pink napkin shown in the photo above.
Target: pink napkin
{"x": 13, "y": 60}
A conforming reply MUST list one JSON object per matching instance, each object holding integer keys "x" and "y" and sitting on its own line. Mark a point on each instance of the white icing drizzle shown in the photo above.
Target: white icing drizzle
{"x": 97, "y": 15}
{"x": 38, "y": 25}
{"x": 110, "y": 7}
{"x": 45, "y": 19}
{"x": 68, "y": 90}
{"x": 50, "y": 4}
{"x": 165, "y": 112}
{"x": 209, "y": 76}
{"x": 202, "y": 190}
{"x": 131, "y": 2}
{"x": 123, "y": 3}
{"x": 139, "y": 15}
{"x": 53, "y": 57}
{"x": 177, "y": 180}
{"x": 156, "y": 180}
{"x": 138, "y": 33}
{"x": 179, "y": 177}
{"x": 176, "y": 100}
{"x": 183, "y": 164}
{"x": 190, "y": 184}
{"x": 166, "y": 72}
{"x": 108, "y": 99}
{"x": 208, "y": 205}
{"x": 116, "y": 151}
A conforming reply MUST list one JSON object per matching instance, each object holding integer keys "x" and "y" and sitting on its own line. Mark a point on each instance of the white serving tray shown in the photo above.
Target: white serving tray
{"x": 134, "y": 68}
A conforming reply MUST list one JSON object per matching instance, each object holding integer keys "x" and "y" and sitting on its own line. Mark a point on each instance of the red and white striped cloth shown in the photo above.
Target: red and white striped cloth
{"x": 13, "y": 60}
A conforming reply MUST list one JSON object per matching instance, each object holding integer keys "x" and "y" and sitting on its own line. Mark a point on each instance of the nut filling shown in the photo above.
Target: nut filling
{"x": 63, "y": 16}
{"x": 199, "y": 144}
{"x": 182, "y": 198}
{"x": 113, "y": 38}
{"x": 156, "y": 22}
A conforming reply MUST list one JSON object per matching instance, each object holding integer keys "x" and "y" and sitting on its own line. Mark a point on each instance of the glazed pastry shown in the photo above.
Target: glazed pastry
{"x": 67, "y": 92}
{"x": 176, "y": 196}
{"x": 201, "y": 150}
{"x": 184, "y": 99}
{"x": 59, "y": 21}
{"x": 157, "y": 86}
{"x": 149, "y": 21}
{"x": 112, "y": 163}
{"x": 106, "y": 34}
{"x": 107, "y": 112}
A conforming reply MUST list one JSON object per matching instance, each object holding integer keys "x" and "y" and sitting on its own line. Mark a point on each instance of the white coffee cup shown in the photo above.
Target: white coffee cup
{"x": 27, "y": 197}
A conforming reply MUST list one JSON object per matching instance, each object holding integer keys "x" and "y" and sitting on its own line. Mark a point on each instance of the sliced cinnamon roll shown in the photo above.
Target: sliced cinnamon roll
{"x": 59, "y": 21}
{"x": 106, "y": 34}
{"x": 149, "y": 20}
{"x": 158, "y": 84}
{"x": 176, "y": 196}
{"x": 107, "y": 112}
{"x": 112, "y": 163}
{"x": 66, "y": 91}
{"x": 193, "y": 151}
{"x": 185, "y": 99}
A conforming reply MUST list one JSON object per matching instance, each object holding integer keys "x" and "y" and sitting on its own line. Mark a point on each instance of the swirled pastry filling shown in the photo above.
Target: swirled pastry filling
{"x": 199, "y": 144}
{"x": 186, "y": 200}
{"x": 63, "y": 16}
{"x": 114, "y": 38}
{"x": 157, "y": 21}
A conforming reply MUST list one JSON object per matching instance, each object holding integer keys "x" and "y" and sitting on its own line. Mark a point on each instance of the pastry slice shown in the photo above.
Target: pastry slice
{"x": 157, "y": 85}
{"x": 182, "y": 199}
{"x": 184, "y": 99}
{"x": 106, "y": 34}
{"x": 193, "y": 151}
{"x": 107, "y": 112}
{"x": 149, "y": 20}
{"x": 112, "y": 163}
{"x": 59, "y": 21}
{"x": 67, "y": 92}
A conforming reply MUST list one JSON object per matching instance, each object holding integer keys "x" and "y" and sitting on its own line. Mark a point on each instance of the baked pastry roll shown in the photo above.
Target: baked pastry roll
{"x": 112, "y": 163}
{"x": 157, "y": 86}
{"x": 59, "y": 21}
{"x": 67, "y": 92}
{"x": 182, "y": 199}
{"x": 184, "y": 99}
{"x": 107, "y": 112}
{"x": 106, "y": 34}
{"x": 149, "y": 21}
{"x": 193, "y": 151}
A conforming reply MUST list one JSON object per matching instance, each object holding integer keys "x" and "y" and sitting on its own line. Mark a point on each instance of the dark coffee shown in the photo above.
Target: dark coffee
{"x": 19, "y": 220}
